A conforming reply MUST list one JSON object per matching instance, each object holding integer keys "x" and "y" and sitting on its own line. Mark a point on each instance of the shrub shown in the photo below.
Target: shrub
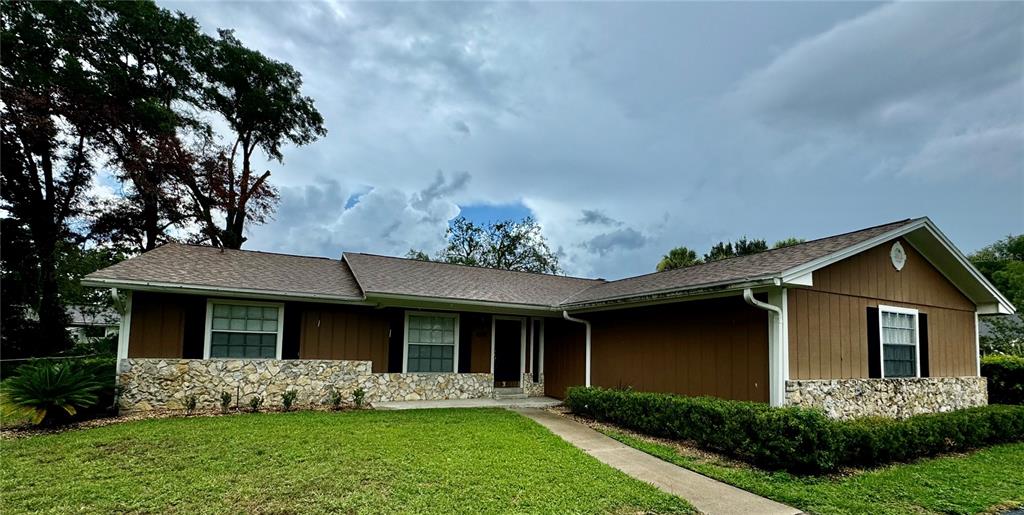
{"x": 798, "y": 439}
{"x": 358, "y": 397}
{"x": 1005, "y": 378}
{"x": 190, "y": 403}
{"x": 255, "y": 402}
{"x": 50, "y": 391}
{"x": 335, "y": 400}
{"x": 225, "y": 402}
{"x": 288, "y": 398}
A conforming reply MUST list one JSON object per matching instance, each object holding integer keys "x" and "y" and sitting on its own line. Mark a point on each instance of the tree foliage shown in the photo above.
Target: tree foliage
{"x": 49, "y": 107}
{"x": 261, "y": 100}
{"x": 788, "y": 242}
{"x": 508, "y": 245}
{"x": 136, "y": 90}
{"x": 679, "y": 257}
{"x": 741, "y": 247}
{"x": 1002, "y": 263}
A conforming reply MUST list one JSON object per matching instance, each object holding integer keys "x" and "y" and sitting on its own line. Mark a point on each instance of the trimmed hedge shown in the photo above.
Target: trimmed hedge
{"x": 1005, "y": 378}
{"x": 797, "y": 439}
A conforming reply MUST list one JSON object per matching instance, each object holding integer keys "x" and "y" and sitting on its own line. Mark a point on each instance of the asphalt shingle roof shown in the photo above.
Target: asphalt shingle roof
{"x": 194, "y": 265}
{"x": 357, "y": 273}
{"x": 732, "y": 270}
{"x": 397, "y": 276}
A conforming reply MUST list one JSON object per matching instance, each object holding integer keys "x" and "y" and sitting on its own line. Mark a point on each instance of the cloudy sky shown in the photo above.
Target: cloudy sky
{"x": 627, "y": 129}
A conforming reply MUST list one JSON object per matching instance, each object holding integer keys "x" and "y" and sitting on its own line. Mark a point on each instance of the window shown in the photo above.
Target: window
{"x": 431, "y": 342}
{"x": 243, "y": 330}
{"x": 899, "y": 340}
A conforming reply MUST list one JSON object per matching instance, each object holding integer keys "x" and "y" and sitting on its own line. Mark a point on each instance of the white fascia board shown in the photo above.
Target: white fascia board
{"x": 441, "y": 303}
{"x": 192, "y": 289}
{"x": 805, "y": 280}
{"x": 720, "y": 289}
{"x": 1005, "y": 306}
{"x": 852, "y": 250}
{"x": 796, "y": 272}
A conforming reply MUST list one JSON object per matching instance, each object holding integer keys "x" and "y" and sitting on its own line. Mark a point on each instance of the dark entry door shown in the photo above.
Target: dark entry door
{"x": 507, "y": 340}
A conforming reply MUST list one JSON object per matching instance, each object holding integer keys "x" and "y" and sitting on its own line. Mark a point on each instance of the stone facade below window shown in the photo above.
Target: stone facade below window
{"x": 155, "y": 384}
{"x": 895, "y": 398}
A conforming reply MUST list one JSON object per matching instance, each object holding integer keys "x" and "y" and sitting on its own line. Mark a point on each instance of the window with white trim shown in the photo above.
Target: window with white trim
{"x": 244, "y": 330}
{"x": 899, "y": 339}
{"x": 431, "y": 342}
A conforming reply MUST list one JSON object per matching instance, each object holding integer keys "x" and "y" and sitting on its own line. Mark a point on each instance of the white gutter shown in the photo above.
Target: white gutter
{"x": 777, "y": 343}
{"x": 565, "y": 315}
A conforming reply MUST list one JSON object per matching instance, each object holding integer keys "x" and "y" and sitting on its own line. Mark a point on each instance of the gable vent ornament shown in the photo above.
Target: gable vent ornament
{"x": 898, "y": 256}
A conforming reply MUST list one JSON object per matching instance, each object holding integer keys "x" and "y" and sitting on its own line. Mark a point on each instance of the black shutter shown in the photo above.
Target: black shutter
{"x": 874, "y": 345}
{"x": 922, "y": 327}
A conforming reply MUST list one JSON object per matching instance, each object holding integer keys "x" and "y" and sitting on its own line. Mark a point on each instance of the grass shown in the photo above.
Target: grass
{"x": 972, "y": 483}
{"x": 422, "y": 461}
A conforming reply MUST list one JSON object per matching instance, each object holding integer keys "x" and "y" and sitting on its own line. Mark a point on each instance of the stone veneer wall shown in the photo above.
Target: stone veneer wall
{"x": 895, "y": 398}
{"x": 530, "y": 388}
{"x": 149, "y": 384}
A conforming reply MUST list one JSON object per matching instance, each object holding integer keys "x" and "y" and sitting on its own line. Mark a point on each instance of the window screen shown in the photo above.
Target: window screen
{"x": 899, "y": 343}
{"x": 431, "y": 343}
{"x": 244, "y": 331}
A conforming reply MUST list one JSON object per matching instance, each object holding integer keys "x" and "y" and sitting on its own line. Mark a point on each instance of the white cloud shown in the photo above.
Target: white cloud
{"x": 655, "y": 115}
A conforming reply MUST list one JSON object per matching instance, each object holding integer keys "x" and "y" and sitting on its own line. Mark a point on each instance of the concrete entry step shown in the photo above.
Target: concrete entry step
{"x": 509, "y": 393}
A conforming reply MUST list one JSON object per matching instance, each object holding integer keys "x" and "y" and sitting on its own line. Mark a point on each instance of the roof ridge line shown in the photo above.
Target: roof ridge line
{"x": 691, "y": 267}
{"x": 250, "y": 251}
{"x": 478, "y": 267}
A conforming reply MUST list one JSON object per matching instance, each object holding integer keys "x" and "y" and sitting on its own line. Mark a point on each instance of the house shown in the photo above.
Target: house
{"x": 91, "y": 323}
{"x": 878, "y": 321}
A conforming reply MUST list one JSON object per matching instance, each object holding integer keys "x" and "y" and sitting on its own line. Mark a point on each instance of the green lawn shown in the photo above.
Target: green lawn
{"x": 956, "y": 484}
{"x": 425, "y": 461}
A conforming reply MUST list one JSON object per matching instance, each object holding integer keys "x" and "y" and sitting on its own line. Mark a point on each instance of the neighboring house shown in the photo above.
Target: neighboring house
{"x": 87, "y": 323}
{"x": 877, "y": 321}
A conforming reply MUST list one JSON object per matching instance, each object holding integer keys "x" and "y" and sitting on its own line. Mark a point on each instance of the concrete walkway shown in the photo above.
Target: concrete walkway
{"x": 529, "y": 402}
{"x": 706, "y": 494}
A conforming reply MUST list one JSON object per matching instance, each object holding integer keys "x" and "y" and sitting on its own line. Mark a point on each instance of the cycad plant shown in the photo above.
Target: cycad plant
{"x": 42, "y": 391}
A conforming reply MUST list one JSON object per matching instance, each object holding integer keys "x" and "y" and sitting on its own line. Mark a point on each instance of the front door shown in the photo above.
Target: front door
{"x": 508, "y": 336}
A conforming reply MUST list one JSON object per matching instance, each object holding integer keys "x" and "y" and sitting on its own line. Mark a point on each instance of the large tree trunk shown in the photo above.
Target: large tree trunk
{"x": 52, "y": 317}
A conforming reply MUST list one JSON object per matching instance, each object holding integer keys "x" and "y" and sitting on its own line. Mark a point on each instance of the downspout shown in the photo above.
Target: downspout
{"x": 748, "y": 295}
{"x": 776, "y": 374}
{"x": 565, "y": 314}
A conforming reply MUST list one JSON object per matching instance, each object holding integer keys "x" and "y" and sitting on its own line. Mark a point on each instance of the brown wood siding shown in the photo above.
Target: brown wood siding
{"x": 828, "y": 322}
{"x": 344, "y": 333}
{"x": 716, "y": 347}
{"x": 157, "y": 325}
{"x": 564, "y": 354}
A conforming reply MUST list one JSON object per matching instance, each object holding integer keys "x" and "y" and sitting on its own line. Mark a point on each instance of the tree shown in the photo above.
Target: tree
{"x": 508, "y": 245}
{"x": 418, "y": 255}
{"x": 741, "y": 247}
{"x": 49, "y": 110}
{"x": 679, "y": 257}
{"x": 788, "y": 242}
{"x": 720, "y": 250}
{"x": 1002, "y": 263}
{"x": 147, "y": 59}
{"x": 262, "y": 102}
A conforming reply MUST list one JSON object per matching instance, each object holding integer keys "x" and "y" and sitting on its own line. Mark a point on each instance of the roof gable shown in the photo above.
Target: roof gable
{"x": 754, "y": 267}
{"x": 201, "y": 267}
{"x": 391, "y": 276}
